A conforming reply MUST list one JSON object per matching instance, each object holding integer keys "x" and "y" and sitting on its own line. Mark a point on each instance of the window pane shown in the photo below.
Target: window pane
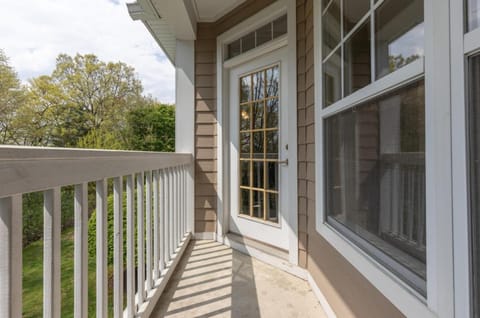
{"x": 272, "y": 113}
{"x": 259, "y": 85}
{"x": 272, "y": 207}
{"x": 245, "y": 89}
{"x": 272, "y": 176}
{"x": 258, "y": 204}
{"x": 264, "y": 34}
{"x": 244, "y": 145}
{"x": 357, "y": 60}
{"x": 244, "y": 202}
{"x": 399, "y": 34}
{"x": 474, "y": 140}
{"x": 473, "y": 14}
{"x": 245, "y": 117}
{"x": 245, "y": 173}
{"x": 258, "y": 175}
{"x": 272, "y": 144}
{"x": 234, "y": 49}
{"x": 331, "y": 28}
{"x": 248, "y": 42}
{"x": 375, "y": 168}
{"x": 353, "y": 12}
{"x": 332, "y": 79}
{"x": 258, "y": 114}
{"x": 258, "y": 145}
{"x": 280, "y": 26}
{"x": 272, "y": 81}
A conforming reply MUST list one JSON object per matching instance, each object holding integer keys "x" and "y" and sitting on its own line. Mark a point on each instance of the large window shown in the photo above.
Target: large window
{"x": 374, "y": 130}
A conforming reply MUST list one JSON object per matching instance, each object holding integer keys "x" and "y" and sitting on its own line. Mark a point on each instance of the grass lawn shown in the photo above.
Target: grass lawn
{"x": 33, "y": 279}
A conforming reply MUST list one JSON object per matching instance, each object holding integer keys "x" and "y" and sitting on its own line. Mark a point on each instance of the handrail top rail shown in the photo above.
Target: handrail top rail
{"x": 31, "y": 169}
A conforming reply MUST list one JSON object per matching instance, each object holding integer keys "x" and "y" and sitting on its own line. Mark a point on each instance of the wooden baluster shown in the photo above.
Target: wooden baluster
{"x": 102, "y": 249}
{"x": 148, "y": 221}
{"x": 156, "y": 233}
{"x": 130, "y": 247}
{"x": 140, "y": 240}
{"x": 52, "y": 228}
{"x": 118, "y": 247}
{"x": 81, "y": 252}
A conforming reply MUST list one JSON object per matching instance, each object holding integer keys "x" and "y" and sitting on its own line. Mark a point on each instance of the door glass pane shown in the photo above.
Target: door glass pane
{"x": 474, "y": 163}
{"x": 258, "y": 175}
{"x": 258, "y": 200}
{"x": 258, "y": 114}
{"x": 244, "y": 202}
{"x": 245, "y": 173}
{"x": 399, "y": 35}
{"x": 331, "y": 28}
{"x": 473, "y": 14}
{"x": 353, "y": 12}
{"x": 246, "y": 89}
{"x": 272, "y": 207}
{"x": 259, "y": 129}
{"x": 357, "y": 60}
{"x": 332, "y": 79}
{"x": 375, "y": 168}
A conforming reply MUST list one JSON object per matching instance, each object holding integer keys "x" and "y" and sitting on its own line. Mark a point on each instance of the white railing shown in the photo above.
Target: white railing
{"x": 159, "y": 184}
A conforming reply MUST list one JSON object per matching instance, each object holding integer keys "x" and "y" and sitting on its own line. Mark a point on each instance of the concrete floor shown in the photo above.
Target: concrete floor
{"x": 213, "y": 280}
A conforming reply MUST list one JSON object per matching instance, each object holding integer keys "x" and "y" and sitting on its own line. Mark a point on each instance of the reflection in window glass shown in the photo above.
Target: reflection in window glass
{"x": 258, "y": 199}
{"x": 272, "y": 202}
{"x": 375, "y": 187}
{"x": 234, "y": 49}
{"x": 399, "y": 35}
{"x": 244, "y": 202}
{"x": 331, "y": 27}
{"x": 357, "y": 60}
{"x": 473, "y": 14}
{"x": 272, "y": 81}
{"x": 246, "y": 89}
{"x": 280, "y": 26}
{"x": 264, "y": 34}
{"x": 474, "y": 163}
{"x": 332, "y": 79}
{"x": 353, "y": 12}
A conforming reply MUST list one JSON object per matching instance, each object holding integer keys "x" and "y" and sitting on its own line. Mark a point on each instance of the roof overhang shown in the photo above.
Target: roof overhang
{"x": 167, "y": 21}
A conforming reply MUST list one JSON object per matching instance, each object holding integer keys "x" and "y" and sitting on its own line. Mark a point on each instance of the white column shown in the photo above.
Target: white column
{"x": 185, "y": 109}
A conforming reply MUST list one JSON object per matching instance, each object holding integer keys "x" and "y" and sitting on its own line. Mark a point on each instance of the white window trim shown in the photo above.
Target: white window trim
{"x": 463, "y": 45}
{"x": 439, "y": 300}
{"x": 270, "y": 13}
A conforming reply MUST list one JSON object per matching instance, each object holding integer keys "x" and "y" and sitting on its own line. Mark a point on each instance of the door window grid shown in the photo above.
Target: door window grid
{"x": 259, "y": 109}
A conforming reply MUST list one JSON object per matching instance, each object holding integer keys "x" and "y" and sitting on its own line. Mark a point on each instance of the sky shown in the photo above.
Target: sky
{"x": 34, "y": 32}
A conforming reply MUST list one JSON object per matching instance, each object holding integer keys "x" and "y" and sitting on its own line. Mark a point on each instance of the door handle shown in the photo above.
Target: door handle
{"x": 283, "y": 162}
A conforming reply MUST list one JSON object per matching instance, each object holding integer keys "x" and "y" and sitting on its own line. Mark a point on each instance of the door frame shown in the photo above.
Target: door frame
{"x": 266, "y": 15}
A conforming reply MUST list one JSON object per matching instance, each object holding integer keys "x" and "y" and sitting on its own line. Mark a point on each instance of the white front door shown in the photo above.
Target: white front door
{"x": 259, "y": 149}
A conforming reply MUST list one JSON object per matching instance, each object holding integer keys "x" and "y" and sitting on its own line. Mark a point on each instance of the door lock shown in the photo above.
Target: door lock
{"x": 283, "y": 162}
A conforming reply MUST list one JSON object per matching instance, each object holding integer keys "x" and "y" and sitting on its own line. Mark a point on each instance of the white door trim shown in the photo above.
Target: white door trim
{"x": 223, "y": 189}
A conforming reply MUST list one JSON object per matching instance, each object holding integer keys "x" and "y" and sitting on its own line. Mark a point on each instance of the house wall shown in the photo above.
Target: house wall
{"x": 347, "y": 291}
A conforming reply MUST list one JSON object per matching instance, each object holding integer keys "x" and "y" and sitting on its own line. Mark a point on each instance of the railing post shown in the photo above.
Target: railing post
{"x": 163, "y": 220}
{"x": 130, "y": 247}
{"x": 102, "y": 238}
{"x": 52, "y": 225}
{"x": 140, "y": 240}
{"x": 148, "y": 217}
{"x": 11, "y": 262}
{"x": 156, "y": 232}
{"x": 81, "y": 252}
{"x": 171, "y": 213}
{"x": 118, "y": 247}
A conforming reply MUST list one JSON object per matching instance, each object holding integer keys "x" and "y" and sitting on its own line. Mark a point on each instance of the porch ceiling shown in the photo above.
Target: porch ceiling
{"x": 212, "y": 10}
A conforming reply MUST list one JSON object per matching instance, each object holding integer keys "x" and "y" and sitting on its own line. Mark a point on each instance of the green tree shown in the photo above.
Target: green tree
{"x": 152, "y": 128}
{"x": 12, "y": 96}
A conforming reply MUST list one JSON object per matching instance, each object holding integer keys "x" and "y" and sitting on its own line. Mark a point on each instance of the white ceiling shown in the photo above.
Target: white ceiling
{"x": 212, "y": 10}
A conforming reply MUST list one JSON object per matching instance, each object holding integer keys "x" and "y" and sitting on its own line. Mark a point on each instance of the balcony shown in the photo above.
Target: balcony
{"x": 164, "y": 271}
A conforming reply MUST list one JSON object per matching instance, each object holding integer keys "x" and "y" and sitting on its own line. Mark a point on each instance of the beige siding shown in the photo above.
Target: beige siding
{"x": 206, "y": 112}
{"x": 347, "y": 291}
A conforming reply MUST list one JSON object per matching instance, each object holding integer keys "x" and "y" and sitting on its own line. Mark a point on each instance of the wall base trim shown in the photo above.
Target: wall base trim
{"x": 321, "y": 297}
{"x": 205, "y": 236}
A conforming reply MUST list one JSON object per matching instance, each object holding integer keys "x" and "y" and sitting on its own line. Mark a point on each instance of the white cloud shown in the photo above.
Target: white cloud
{"x": 33, "y": 33}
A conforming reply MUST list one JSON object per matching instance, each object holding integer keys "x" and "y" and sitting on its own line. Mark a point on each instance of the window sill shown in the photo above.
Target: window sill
{"x": 405, "y": 298}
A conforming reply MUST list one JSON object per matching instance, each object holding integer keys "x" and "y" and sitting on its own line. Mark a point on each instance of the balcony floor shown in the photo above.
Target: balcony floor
{"x": 213, "y": 280}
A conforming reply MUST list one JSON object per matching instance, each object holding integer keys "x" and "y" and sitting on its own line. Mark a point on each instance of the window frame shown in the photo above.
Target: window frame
{"x": 434, "y": 67}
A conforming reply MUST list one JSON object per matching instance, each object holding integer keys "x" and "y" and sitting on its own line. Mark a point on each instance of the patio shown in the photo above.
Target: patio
{"x": 212, "y": 280}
